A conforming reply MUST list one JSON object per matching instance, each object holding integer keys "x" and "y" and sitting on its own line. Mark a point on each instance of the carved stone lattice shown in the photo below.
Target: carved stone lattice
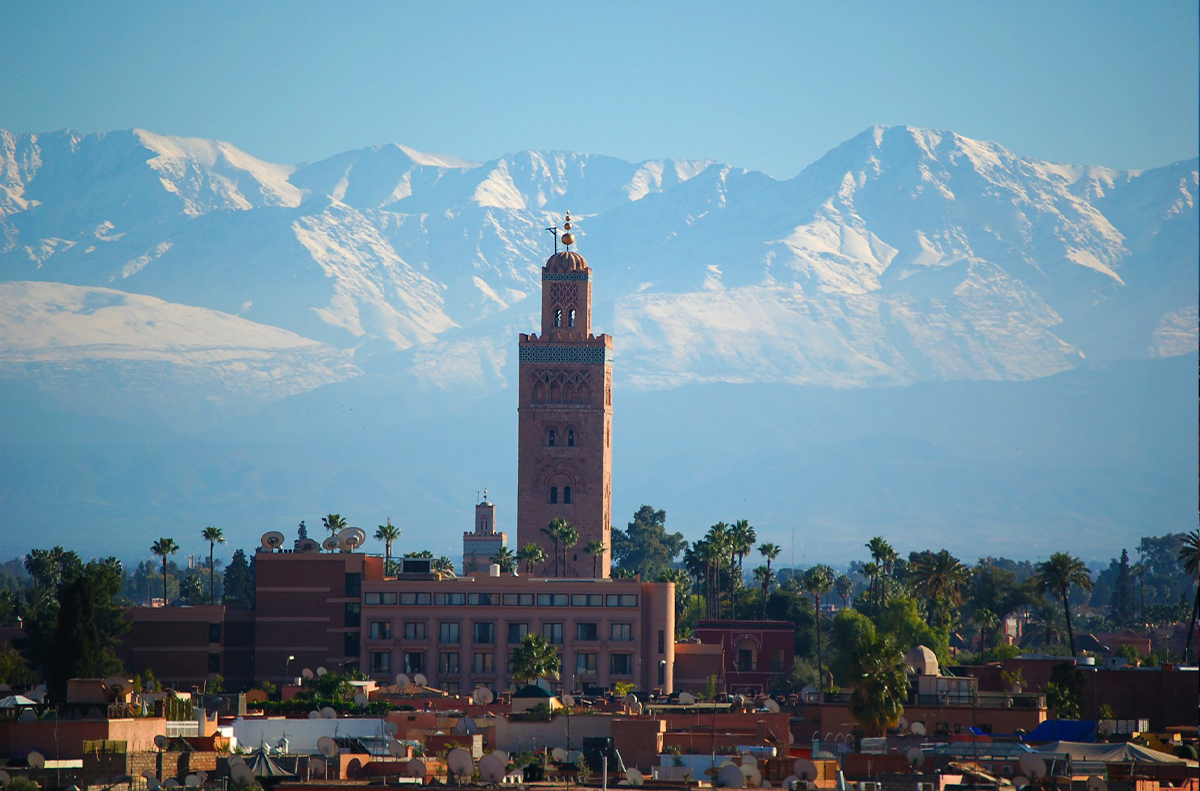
{"x": 563, "y": 294}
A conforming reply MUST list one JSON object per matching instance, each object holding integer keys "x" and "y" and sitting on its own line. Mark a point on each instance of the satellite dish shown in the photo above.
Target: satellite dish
{"x": 805, "y": 770}
{"x": 306, "y": 674}
{"x": 1096, "y": 783}
{"x": 314, "y": 715}
{"x": 403, "y": 681}
{"x": 1020, "y": 782}
{"x": 152, "y": 784}
{"x": 730, "y": 777}
{"x": 351, "y": 538}
{"x": 191, "y": 781}
{"x": 465, "y": 726}
{"x": 420, "y": 680}
{"x": 1033, "y": 765}
{"x": 771, "y": 705}
{"x": 235, "y": 760}
{"x": 902, "y": 725}
{"x": 416, "y": 769}
{"x": 4, "y": 777}
{"x": 203, "y": 775}
{"x": 491, "y": 768}
{"x": 575, "y": 756}
{"x": 686, "y": 698}
{"x": 915, "y": 758}
{"x": 631, "y": 700}
{"x": 307, "y": 545}
{"x": 161, "y": 742}
{"x": 242, "y": 775}
{"x": 327, "y": 747}
{"x": 390, "y": 728}
{"x": 171, "y": 782}
{"x": 559, "y": 754}
{"x": 749, "y": 760}
{"x": 273, "y": 540}
{"x": 329, "y": 713}
{"x": 752, "y": 777}
{"x": 634, "y": 777}
{"x": 765, "y": 784}
{"x": 791, "y": 781}
{"x": 808, "y": 693}
{"x": 117, "y": 684}
{"x": 482, "y": 696}
{"x": 396, "y": 749}
{"x": 321, "y": 672}
{"x": 739, "y": 701}
{"x": 460, "y": 763}
{"x": 360, "y": 699}
{"x": 568, "y": 700}
{"x": 330, "y": 544}
{"x": 918, "y": 728}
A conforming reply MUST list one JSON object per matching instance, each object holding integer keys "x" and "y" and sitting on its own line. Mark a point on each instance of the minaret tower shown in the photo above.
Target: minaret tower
{"x": 564, "y": 450}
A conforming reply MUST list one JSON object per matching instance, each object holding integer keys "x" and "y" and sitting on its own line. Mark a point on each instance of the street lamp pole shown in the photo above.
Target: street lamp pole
{"x": 287, "y": 669}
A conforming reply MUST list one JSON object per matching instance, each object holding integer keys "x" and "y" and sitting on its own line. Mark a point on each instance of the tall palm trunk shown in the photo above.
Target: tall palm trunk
{"x": 1187, "y": 646}
{"x": 165, "y": 599}
{"x": 820, "y": 664}
{"x": 212, "y": 585}
{"x": 1070, "y": 629}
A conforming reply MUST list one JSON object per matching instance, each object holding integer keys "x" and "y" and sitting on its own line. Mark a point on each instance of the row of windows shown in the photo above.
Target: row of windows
{"x": 485, "y": 663}
{"x": 558, "y": 317}
{"x": 506, "y": 599}
{"x": 552, "y": 437}
{"x": 484, "y": 633}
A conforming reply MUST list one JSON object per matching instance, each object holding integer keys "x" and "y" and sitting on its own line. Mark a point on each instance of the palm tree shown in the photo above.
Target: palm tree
{"x": 845, "y": 588}
{"x": 505, "y": 558}
{"x": 387, "y": 534}
{"x": 770, "y": 552}
{"x": 1058, "y": 574}
{"x": 1139, "y": 571}
{"x": 534, "y": 658}
{"x": 531, "y": 555}
{"x": 880, "y": 685}
{"x": 553, "y": 531}
{"x": 884, "y": 556}
{"x": 762, "y": 575}
{"x": 596, "y": 550}
{"x": 162, "y": 548}
{"x": 213, "y": 536}
{"x": 744, "y": 539}
{"x": 1189, "y": 561}
{"x": 817, "y": 581}
{"x": 710, "y": 555}
{"x": 871, "y": 572}
{"x": 568, "y": 537}
{"x": 334, "y": 523}
{"x": 721, "y": 539}
{"x": 939, "y": 579}
{"x": 988, "y": 621}
{"x": 442, "y": 563}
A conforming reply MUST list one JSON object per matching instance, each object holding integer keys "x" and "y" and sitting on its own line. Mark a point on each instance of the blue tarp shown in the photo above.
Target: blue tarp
{"x": 1063, "y": 731}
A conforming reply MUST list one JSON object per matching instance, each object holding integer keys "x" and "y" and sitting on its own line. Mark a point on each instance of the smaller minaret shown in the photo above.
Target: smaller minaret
{"x": 482, "y": 544}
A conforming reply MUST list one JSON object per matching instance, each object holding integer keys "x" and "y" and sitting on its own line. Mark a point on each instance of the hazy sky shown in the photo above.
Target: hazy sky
{"x": 768, "y": 86}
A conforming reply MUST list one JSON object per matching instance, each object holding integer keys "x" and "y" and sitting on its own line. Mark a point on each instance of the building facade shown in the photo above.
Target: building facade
{"x": 564, "y": 467}
{"x": 753, "y": 653}
{"x": 481, "y": 544}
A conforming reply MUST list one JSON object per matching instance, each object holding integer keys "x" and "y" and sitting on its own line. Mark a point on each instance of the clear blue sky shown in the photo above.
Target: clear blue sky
{"x": 763, "y": 85}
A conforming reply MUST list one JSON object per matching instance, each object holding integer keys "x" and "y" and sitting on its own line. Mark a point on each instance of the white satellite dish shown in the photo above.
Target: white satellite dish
{"x": 686, "y": 699}
{"x": 902, "y": 725}
{"x": 314, "y": 715}
{"x": 502, "y": 755}
{"x": 752, "y": 777}
{"x": 915, "y": 757}
{"x": 152, "y": 784}
{"x": 482, "y": 696}
{"x": 273, "y": 540}
{"x": 307, "y": 545}
{"x": 1033, "y": 765}
{"x": 390, "y": 728}
{"x": 1020, "y": 782}
{"x": 491, "y": 768}
{"x": 420, "y": 680}
{"x": 117, "y": 684}
{"x": 330, "y": 544}
{"x": 808, "y": 693}
{"x": 4, "y": 777}
{"x": 403, "y": 681}
{"x": 460, "y": 763}
{"x": 306, "y": 674}
{"x": 749, "y": 760}
{"x": 416, "y": 769}
{"x": 558, "y": 754}
{"x": 1096, "y": 783}
{"x": 191, "y": 781}
{"x": 351, "y": 538}
{"x": 634, "y": 777}
{"x": 321, "y": 672}
{"x": 329, "y": 713}
{"x": 327, "y": 747}
{"x": 575, "y": 756}
{"x": 730, "y": 777}
{"x": 918, "y": 728}
{"x": 465, "y": 726}
{"x": 568, "y": 700}
{"x": 806, "y": 770}
{"x": 396, "y": 749}
{"x": 360, "y": 699}
{"x": 631, "y": 700}
{"x": 771, "y": 705}
{"x": 161, "y": 742}
{"x": 739, "y": 701}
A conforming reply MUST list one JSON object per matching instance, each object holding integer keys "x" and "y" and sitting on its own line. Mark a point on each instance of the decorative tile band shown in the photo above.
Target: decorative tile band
{"x": 565, "y": 276}
{"x": 579, "y": 355}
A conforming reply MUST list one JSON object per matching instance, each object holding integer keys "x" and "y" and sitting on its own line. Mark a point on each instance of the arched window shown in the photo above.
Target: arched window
{"x": 550, "y": 438}
{"x": 553, "y": 494}
{"x": 558, "y": 317}
{"x": 571, "y": 317}
{"x": 566, "y": 495}
{"x": 570, "y": 438}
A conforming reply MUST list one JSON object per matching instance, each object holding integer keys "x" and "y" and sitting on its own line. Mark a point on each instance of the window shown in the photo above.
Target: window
{"x": 585, "y": 664}
{"x": 552, "y": 632}
{"x": 662, "y": 672}
{"x": 567, "y": 495}
{"x": 448, "y": 632}
{"x": 558, "y": 317}
{"x": 777, "y": 660}
{"x": 621, "y": 600}
{"x": 621, "y": 633}
{"x": 517, "y": 632}
{"x": 381, "y": 662}
{"x": 481, "y": 599}
{"x": 745, "y": 660}
{"x": 353, "y": 585}
{"x": 552, "y": 599}
{"x": 571, "y": 317}
{"x": 214, "y": 633}
{"x": 353, "y": 614}
{"x": 518, "y": 599}
{"x": 587, "y": 600}
{"x": 451, "y": 598}
{"x": 550, "y": 437}
{"x": 449, "y": 687}
{"x": 414, "y": 662}
{"x": 350, "y": 645}
{"x": 410, "y": 598}
{"x": 570, "y": 438}
{"x": 381, "y": 630}
{"x": 587, "y": 631}
{"x": 448, "y": 663}
{"x": 414, "y": 630}
{"x": 376, "y": 597}
{"x": 553, "y": 494}
{"x": 485, "y": 633}
{"x": 621, "y": 664}
{"x": 214, "y": 663}
{"x": 484, "y": 663}
{"x": 662, "y": 641}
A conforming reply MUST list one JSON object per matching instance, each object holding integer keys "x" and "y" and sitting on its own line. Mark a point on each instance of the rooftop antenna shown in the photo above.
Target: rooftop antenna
{"x": 554, "y": 230}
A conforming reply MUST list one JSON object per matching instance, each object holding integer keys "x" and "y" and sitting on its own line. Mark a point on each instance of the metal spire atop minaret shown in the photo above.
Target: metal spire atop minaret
{"x": 568, "y": 238}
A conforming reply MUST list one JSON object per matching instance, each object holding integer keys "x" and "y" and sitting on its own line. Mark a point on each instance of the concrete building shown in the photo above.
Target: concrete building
{"x": 481, "y": 544}
{"x": 564, "y": 466}
{"x": 188, "y": 646}
{"x": 753, "y": 653}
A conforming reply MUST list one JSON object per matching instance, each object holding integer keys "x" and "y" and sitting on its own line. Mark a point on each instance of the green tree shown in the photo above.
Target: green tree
{"x": 596, "y": 550}
{"x": 505, "y": 559}
{"x": 164, "y": 548}
{"x": 14, "y": 670}
{"x": 78, "y": 646}
{"x": 568, "y": 537}
{"x": 987, "y": 622}
{"x": 769, "y": 552}
{"x": 885, "y": 558}
{"x": 879, "y": 686}
{"x": 1189, "y": 561}
{"x": 939, "y": 578}
{"x": 1058, "y": 575}
{"x": 553, "y": 531}
{"x": 388, "y": 534}
{"x": 213, "y": 536}
{"x": 190, "y": 590}
{"x": 1121, "y": 605}
{"x": 531, "y": 555}
{"x": 720, "y": 540}
{"x": 744, "y": 538}
{"x": 844, "y": 586}
{"x": 871, "y": 572}
{"x": 644, "y": 546}
{"x": 239, "y": 579}
{"x": 334, "y": 523}
{"x": 818, "y": 581}
{"x": 534, "y": 658}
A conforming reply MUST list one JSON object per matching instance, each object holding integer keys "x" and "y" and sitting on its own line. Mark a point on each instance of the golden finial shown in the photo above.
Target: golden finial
{"x": 568, "y": 238}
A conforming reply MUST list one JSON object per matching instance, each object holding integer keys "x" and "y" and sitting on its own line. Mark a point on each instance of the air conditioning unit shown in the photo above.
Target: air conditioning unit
{"x": 868, "y": 786}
